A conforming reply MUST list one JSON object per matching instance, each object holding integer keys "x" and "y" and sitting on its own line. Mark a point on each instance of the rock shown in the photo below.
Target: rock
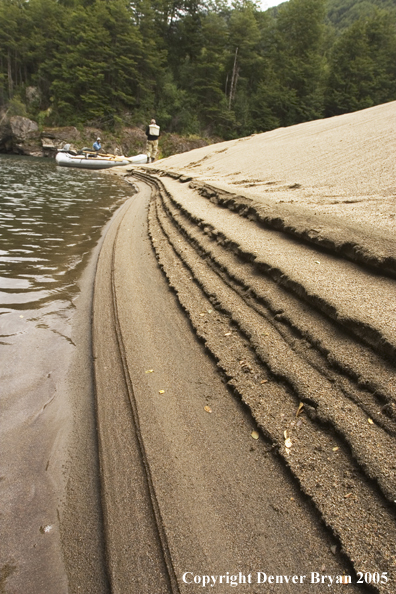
{"x": 49, "y": 147}
{"x": 53, "y": 139}
{"x": 32, "y": 95}
{"x": 22, "y": 136}
{"x": 23, "y": 129}
{"x": 62, "y": 135}
{"x": 48, "y": 143}
{"x": 19, "y": 135}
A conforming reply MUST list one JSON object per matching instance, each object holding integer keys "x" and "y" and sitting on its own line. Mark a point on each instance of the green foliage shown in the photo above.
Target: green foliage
{"x": 16, "y": 107}
{"x": 343, "y": 13}
{"x": 362, "y": 66}
{"x": 43, "y": 117}
{"x": 200, "y": 68}
{"x": 299, "y": 59}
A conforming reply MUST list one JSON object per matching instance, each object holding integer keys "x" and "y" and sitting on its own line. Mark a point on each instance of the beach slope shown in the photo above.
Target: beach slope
{"x": 244, "y": 342}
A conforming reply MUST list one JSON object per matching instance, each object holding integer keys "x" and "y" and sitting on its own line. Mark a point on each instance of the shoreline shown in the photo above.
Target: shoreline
{"x": 244, "y": 341}
{"x": 81, "y": 518}
{"x": 290, "y": 289}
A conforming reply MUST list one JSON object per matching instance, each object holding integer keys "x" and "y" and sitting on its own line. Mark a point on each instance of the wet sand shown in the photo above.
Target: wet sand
{"x": 49, "y": 479}
{"x": 244, "y": 332}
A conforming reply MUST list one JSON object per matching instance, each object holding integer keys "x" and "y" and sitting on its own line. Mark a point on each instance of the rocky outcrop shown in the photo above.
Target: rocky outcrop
{"x": 19, "y": 135}
{"x": 23, "y": 128}
{"x": 53, "y": 139}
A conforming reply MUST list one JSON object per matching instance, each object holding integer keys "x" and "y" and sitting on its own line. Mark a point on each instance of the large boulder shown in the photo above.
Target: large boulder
{"x": 20, "y": 135}
{"x": 23, "y": 129}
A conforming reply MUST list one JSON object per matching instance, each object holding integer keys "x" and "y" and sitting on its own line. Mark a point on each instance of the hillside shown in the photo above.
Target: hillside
{"x": 343, "y": 13}
{"x": 201, "y": 70}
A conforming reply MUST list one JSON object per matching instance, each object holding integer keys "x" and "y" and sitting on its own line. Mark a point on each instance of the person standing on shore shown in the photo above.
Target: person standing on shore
{"x": 152, "y": 133}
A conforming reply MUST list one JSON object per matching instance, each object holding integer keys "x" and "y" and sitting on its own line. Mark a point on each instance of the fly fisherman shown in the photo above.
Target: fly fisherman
{"x": 96, "y": 145}
{"x": 152, "y": 133}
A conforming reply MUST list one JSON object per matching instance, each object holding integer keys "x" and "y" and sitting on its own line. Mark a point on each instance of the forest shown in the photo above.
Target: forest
{"x": 200, "y": 68}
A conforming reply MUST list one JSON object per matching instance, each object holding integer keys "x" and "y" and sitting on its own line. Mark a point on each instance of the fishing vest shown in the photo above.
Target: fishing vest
{"x": 154, "y": 130}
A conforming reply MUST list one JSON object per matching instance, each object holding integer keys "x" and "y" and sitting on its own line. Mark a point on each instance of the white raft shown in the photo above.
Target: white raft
{"x": 90, "y": 160}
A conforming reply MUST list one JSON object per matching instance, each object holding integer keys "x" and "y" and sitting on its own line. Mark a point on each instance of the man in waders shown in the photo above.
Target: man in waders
{"x": 152, "y": 133}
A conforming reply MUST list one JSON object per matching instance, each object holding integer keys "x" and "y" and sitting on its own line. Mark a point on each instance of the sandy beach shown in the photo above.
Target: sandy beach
{"x": 244, "y": 333}
{"x": 231, "y": 400}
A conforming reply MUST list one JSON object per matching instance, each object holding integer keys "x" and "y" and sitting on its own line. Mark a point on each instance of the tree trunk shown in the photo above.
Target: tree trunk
{"x": 9, "y": 73}
{"x": 234, "y": 79}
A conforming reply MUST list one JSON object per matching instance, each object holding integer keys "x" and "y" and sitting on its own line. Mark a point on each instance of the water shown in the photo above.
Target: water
{"x": 51, "y": 219}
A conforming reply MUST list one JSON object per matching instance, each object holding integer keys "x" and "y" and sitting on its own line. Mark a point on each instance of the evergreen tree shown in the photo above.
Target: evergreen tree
{"x": 245, "y": 64}
{"x": 298, "y": 61}
{"x": 208, "y": 75}
{"x": 212, "y": 67}
{"x": 13, "y": 47}
{"x": 362, "y": 66}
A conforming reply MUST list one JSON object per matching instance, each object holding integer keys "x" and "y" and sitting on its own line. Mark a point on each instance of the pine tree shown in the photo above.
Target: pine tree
{"x": 362, "y": 68}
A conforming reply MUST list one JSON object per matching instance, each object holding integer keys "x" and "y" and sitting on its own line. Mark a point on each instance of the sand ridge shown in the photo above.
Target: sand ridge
{"x": 278, "y": 252}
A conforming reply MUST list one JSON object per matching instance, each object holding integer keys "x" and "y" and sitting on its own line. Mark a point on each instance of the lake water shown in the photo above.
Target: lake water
{"x": 51, "y": 219}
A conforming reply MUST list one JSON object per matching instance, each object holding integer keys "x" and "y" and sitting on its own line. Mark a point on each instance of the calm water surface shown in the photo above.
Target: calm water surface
{"x": 51, "y": 218}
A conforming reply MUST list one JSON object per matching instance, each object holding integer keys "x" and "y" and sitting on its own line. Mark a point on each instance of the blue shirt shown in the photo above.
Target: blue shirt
{"x": 97, "y": 146}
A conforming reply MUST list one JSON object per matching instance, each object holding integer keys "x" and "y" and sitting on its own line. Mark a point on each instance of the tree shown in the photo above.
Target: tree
{"x": 299, "y": 60}
{"x": 103, "y": 65}
{"x": 199, "y": 66}
{"x": 207, "y": 75}
{"x": 362, "y": 66}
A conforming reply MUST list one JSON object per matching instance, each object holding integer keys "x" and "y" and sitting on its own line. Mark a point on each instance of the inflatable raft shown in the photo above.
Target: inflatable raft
{"x": 91, "y": 160}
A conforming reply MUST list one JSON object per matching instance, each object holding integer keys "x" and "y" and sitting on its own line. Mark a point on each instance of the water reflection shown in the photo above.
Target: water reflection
{"x": 50, "y": 218}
